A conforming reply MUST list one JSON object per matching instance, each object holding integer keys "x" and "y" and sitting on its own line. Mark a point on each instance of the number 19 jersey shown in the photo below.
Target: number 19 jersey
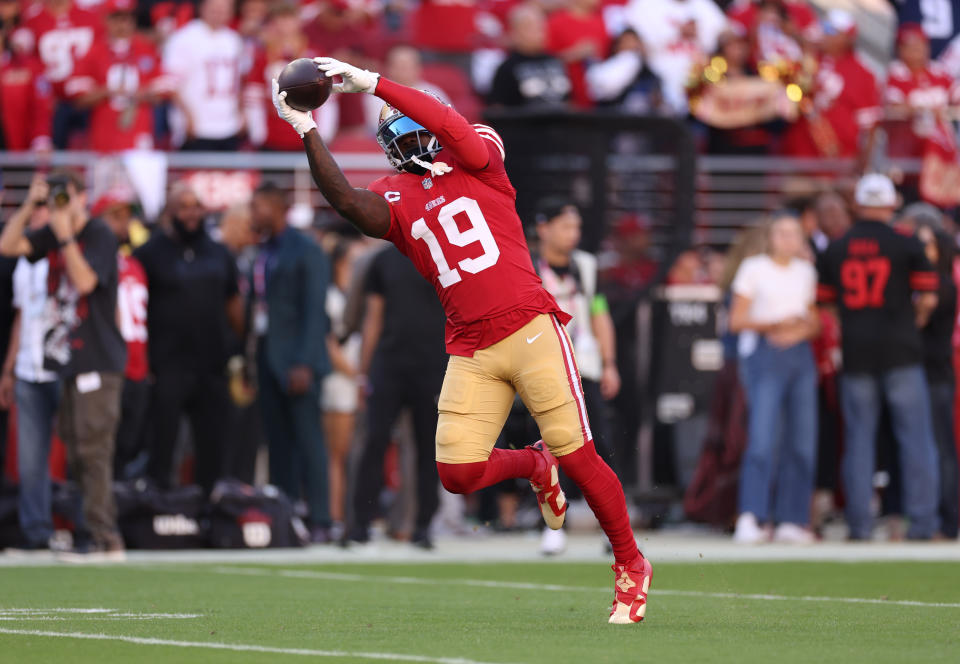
{"x": 462, "y": 232}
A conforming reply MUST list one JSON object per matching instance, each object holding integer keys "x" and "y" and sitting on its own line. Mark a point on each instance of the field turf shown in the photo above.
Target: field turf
{"x": 549, "y": 613}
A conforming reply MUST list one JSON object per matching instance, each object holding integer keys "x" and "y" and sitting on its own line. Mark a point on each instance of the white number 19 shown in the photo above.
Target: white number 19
{"x": 478, "y": 232}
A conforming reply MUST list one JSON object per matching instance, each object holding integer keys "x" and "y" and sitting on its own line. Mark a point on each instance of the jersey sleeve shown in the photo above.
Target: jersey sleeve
{"x": 868, "y": 109}
{"x": 923, "y": 278}
{"x": 84, "y": 76}
{"x": 452, "y": 130}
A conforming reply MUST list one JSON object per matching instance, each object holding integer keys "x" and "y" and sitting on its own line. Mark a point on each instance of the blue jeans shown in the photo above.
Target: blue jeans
{"x": 37, "y": 405}
{"x": 905, "y": 390}
{"x": 941, "y": 405}
{"x": 781, "y": 388}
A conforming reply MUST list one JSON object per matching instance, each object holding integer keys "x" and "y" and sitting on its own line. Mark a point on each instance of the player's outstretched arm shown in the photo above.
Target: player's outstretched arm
{"x": 452, "y": 130}
{"x": 364, "y": 209}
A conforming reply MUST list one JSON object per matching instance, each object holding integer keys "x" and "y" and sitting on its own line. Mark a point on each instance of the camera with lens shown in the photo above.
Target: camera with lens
{"x": 59, "y": 194}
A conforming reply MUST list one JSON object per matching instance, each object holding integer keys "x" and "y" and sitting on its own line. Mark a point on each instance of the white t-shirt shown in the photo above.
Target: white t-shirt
{"x": 206, "y": 65}
{"x": 30, "y": 297}
{"x": 776, "y": 292}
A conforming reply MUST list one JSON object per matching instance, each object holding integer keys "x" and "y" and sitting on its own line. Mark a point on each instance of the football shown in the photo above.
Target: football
{"x": 306, "y": 86}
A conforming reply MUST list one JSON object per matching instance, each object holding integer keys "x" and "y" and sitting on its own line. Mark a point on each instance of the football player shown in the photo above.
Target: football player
{"x": 451, "y": 209}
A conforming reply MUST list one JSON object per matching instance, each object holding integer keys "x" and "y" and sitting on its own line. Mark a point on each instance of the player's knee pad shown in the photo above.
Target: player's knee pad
{"x": 561, "y": 429}
{"x": 460, "y": 477}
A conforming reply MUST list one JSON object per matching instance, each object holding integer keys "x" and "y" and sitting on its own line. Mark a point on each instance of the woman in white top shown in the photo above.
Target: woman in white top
{"x": 339, "y": 397}
{"x": 774, "y": 313}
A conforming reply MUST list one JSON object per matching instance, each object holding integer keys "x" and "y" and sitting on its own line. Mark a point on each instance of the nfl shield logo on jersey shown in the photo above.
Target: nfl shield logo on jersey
{"x": 427, "y": 183}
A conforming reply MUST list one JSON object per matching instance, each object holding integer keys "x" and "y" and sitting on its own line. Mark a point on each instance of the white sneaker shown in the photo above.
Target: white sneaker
{"x": 553, "y": 542}
{"x": 748, "y": 531}
{"x": 791, "y": 533}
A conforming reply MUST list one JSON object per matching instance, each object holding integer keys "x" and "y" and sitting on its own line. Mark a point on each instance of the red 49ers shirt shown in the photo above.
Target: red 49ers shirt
{"x": 846, "y": 96}
{"x": 871, "y": 274}
{"x": 132, "y": 296}
{"x": 125, "y": 68}
{"x": 59, "y": 41}
{"x": 930, "y": 89}
{"x": 462, "y": 231}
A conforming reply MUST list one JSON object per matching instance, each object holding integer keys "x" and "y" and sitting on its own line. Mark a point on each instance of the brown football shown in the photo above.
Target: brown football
{"x": 306, "y": 86}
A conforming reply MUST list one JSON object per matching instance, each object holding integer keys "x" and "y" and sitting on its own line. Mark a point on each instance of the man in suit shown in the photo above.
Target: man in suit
{"x": 286, "y": 313}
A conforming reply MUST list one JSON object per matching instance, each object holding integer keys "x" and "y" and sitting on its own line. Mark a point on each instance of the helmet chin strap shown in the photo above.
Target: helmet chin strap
{"x": 435, "y": 169}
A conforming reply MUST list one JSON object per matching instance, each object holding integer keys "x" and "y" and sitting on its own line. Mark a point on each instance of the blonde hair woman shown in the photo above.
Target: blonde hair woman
{"x": 774, "y": 312}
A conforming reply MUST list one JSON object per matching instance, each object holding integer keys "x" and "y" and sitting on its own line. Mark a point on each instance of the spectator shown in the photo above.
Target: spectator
{"x": 570, "y": 275}
{"x": 677, "y": 35}
{"x": 833, "y": 216}
{"x": 623, "y": 80}
{"x": 403, "y": 355}
{"x": 193, "y": 300}
{"x": 35, "y": 391}
{"x": 205, "y": 58}
{"x": 799, "y": 18}
{"x": 938, "y": 363}
{"x": 577, "y": 35}
{"x": 404, "y": 66}
{"x": 132, "y": 299}
{"x": 938, "y": 20}
{"x": 340, "y": 395}
{"x": 774, "y": 313}
{"x": 83, "y": 345}
{"x": 118, "y": 80}
{"x": 529, "y": 76}
{"x": 290, "y": 279}
{"x": 917, "y": 96}
{"x": 60, "y": 34}
{"x": 245, "y": 426}
{"x": 26, "y": 114}
{"x": 755, "y": 138}
{"x": 283, "y": 41}
{"x": 446, "y": 30}
{"x": 845, "y": 103}
{"x": 872, "y": 274}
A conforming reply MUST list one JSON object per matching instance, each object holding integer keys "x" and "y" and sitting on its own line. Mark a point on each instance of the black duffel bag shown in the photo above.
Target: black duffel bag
{"x": 246, "y": 517}
{"x": 154, "y": 518}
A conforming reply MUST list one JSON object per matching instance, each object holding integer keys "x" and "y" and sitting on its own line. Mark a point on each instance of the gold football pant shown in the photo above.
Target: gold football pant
{"x": 535, "y": 362}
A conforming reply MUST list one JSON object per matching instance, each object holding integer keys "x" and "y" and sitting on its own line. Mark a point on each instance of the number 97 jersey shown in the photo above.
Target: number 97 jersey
{"x": 463, "y": 234}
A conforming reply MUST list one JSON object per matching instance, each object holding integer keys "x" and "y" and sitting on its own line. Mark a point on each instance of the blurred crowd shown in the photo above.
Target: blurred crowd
{"x": 750, "y": 76}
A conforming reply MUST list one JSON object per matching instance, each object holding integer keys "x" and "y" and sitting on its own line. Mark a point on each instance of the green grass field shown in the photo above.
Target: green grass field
{"x": 550, "y": 613}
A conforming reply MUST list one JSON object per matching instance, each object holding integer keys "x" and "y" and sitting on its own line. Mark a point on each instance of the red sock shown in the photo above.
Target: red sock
{"x": 604, "y": 494}
{"x": 500, "y": 465}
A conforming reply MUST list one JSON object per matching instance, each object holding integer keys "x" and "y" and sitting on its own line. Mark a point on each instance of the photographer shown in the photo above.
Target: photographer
{"x": 83, "y": 344}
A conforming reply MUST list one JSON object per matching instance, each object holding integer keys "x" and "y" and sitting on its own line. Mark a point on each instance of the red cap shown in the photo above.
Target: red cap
{"x": 120, "y": 6}
{"x": 911, "y": 29}
{"x": 109, "y": 200}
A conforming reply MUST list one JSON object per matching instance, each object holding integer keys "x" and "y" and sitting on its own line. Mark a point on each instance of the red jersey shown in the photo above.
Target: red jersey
{"x": 132, "y": 312}
{"x": 461, "y": 229}
{"x": 123, "y": 68}
{"x": 59, "y": 41}
{"x": 930, "y": 89}
{"x": 566, "y": 29}
{"x": 27, "y": 109}
{"x": 845, "y": 96}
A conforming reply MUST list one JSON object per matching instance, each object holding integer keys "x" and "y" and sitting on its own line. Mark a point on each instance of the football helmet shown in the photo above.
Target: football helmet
{"x": 419, "y": 154}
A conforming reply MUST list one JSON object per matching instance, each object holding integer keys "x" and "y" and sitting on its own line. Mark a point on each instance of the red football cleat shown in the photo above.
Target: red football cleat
{"x": 553, "y": 504}
{"x": 630, "y": 592}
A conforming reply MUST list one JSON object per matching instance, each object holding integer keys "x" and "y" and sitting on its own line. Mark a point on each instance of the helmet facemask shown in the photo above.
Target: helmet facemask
{"x": 394, "y": 127}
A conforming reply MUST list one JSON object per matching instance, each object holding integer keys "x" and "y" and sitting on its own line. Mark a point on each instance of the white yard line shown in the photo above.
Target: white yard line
{"x": 241, "y": 647}
{"x": 515, "y": 585}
